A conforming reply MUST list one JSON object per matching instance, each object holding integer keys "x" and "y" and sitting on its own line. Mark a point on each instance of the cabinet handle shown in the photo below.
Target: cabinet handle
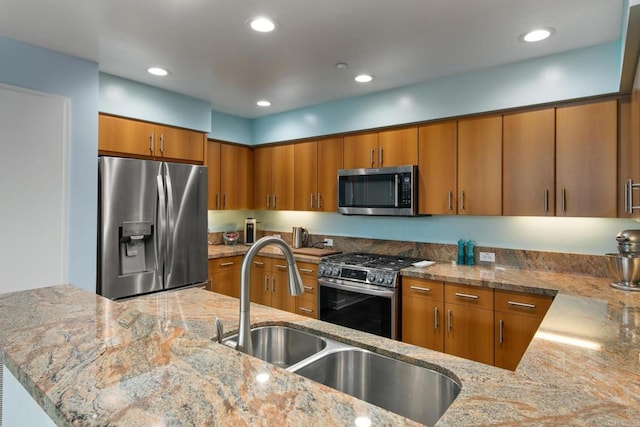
{"x": 462, "y": 200}
{"x": 371, "y": 157}
{"x": 259, "y": 263}
{"x": 501, "y": 328}
{"x": 151, "y": 138}
{"x": 306, "y": 310}
{"x": 626, "y": 196}
{"x": 311, "y": 200}
{"x": 226, "y": 264}
{"x": 469, "y": 296}
{"x": 308, "y": 288}
{"x": 273, "y": 284}
{"x": 305, "y": 270}
{"x": 162, "y": 143}
{"x": 449, "y": 320}
{"x": 224, "y": 200}
{"x": 217, "y": 200}
{"x": 266, "y": 283}
{"x": 449, "y": 198}
{"x": 380, "y": 161}
{"x": 521, "y": 304}
{"x": 546, "y": 200}
{"x": 281, "y": 267}
{"x": 420, "y": 289}
{"x": 564, "y": 200}
{"x": 319, "y": 203}
{"x": 274, "y": 201}
{"x": 268, "y": 200}
{"x": 435, "y": 318}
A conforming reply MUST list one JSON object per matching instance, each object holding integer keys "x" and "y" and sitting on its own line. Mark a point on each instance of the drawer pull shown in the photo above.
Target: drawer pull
{"x": 281, "y": 267}
{"x": 259, "y": 263}
{"x": 469, "y": 296}
{"x": 448, "y": 320}
{"x": 420, "y": 289}
{"x": 435, "y": 318}
{"x": 305, "y": 270}
{"x": 501, "y": 329}
{"x": 306, "y": 310}
{"x": 226, "y": 264}
{"x": 521, "y": 304}
{"x": 308, "y": 288}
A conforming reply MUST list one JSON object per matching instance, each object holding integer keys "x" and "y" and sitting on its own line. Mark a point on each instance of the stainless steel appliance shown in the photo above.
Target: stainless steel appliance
{"x": 378, "y": 191}
{"x": 624, "y": 266}
{"x": 361, "y": 291}
{"x": 300, "y": 236}
{"x": 250, "y": 231}
{"x": 153, "y": 226}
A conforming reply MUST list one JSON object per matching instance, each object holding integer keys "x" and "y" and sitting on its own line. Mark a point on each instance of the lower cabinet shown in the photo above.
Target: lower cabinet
{"x": 224, "y": 275}
{"x": 472, "y": 322}
{"x": 517, "y": 318}
{"x": 307, "y": 302}
{"x": 270, "y": 283}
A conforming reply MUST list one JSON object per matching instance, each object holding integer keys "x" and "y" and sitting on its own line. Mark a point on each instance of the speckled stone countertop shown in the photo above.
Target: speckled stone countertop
{"x": 151, "y": 361}
{"x": 304, "y": 254}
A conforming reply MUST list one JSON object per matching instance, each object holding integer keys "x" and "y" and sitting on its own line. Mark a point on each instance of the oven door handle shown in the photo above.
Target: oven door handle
{"x": 358, "y": 289}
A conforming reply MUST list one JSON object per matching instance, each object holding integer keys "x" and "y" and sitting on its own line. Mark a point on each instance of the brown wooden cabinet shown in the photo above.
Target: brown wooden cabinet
{"x": 423, "y": 313}
{"x": 274, "y": 184}
{"x": 127, "y": 137}
{"x": 528, "y": 175}
{"x": 230, "y": 175}
{"x": 269, "y": 283}
{"x": 306, "y": 304}
{"x": 437, "y": 164}
{"x": 517, "y": 318}
{"x": 586, "y": 160}
{"x": 395, "y": 147}
{"x": 480, "y": 166}
{"x": 469, "y": 322}
{"x": 224, "y": 275}
{"x": 316, "y": 165}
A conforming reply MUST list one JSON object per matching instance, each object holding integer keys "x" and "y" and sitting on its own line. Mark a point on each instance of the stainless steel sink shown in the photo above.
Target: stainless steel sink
{"x": 280, "y": 345}
{"x": 412, "y": 391}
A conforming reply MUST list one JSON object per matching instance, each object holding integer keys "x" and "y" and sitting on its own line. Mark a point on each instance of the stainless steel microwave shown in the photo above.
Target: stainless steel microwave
{"x": 378, "y": 191}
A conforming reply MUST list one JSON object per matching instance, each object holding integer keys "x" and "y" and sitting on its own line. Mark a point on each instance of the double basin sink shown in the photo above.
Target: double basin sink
{"x": 413, "y": 391}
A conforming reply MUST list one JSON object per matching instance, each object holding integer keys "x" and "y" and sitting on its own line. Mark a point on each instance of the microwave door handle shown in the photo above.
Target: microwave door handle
{"x": 397, "y": 191}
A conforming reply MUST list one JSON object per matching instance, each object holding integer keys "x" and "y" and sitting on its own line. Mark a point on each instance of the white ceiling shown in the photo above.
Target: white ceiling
{"x": 213, "y": 55}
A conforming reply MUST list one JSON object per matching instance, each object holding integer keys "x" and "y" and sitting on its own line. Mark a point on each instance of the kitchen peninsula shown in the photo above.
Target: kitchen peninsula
{"x": 87, "y": 360}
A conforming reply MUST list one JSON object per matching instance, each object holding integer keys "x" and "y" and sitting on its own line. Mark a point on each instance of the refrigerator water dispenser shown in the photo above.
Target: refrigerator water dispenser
{"x": 134, "y": 236}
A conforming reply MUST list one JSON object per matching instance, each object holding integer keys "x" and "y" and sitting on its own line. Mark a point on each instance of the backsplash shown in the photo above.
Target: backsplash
{"x": 592, "y": 265}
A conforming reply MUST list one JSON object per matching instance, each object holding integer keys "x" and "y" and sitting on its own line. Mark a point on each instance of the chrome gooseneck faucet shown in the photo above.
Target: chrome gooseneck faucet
{"x": 295, "y": 286}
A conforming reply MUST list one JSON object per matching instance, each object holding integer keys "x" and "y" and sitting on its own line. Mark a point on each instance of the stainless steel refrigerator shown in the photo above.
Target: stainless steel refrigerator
{"x": 153, "y": 226}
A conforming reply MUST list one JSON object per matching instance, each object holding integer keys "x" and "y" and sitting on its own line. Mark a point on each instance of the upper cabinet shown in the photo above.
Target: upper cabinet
{"x": 437, "y": 164}
{"x": 274, "y": 185}
{"x": 230, "y": 176}
{"x": 586, "y": 160}
{"x": 395, "y": 147}
{"x": 134, "y": 138}
{"x": 480, "y": 166}
{"x": 528, "y": 175}
{"x": 316, "y": 165}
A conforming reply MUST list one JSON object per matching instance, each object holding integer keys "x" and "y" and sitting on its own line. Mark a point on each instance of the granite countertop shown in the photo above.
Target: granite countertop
{"x": 151, "y": 361}
{"x": 305, "y": 254}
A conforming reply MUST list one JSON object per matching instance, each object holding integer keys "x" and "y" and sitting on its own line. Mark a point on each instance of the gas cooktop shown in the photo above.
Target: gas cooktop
{"x": 385, "y": 262}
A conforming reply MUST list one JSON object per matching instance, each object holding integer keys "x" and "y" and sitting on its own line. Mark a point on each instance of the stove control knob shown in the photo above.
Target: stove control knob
{"x": 321, "y": 270}
{"x": 379, "y": 278}
{"x": 389, "y": 279}
{"x": 335, "y": 271}
{"x": 371, "y": 277}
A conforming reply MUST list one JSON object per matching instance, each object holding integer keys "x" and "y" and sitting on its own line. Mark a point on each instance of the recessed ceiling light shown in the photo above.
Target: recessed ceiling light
{"x": 363, "y": 78}
{"x": 263, "y": 103}
{"x": 537, "y": 35}
{"x": 158, "y": 71}
{"x": 342, "y": 65}
{"x": 262, "y": 24}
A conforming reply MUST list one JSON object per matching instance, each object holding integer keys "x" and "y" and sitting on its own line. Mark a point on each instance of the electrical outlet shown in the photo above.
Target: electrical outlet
{"x": 487, "y": 256}
{"x": 277, "y": 235}
{"x": 328, "y": 242}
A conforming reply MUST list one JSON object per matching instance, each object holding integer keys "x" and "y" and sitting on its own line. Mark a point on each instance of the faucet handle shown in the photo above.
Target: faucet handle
{"x": 219, "y": 329}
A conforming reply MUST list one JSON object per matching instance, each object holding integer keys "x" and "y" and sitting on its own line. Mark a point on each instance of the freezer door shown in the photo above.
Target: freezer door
{"x": 186, "y": 245}
{"x": 129, "y": 250}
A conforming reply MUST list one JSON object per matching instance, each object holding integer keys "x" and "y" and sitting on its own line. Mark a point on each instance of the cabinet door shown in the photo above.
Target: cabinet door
{"x": 179, "y": 144}
{"x": 528, "y": 176}
{"x": 398, "y": 147}
{"x": 360, "y": 151}
{"x": 513, "y": 333}
{"x": 213, "y": 174}
{"x": 469, "y": 333}
{"x": 437, "y": 164}
{"x": 262, "y": 182}
{"x": 280, "y": 297}
{"x": 123, "y": 136}
{"x": 480, "y": 166}
{"x": 586, "y": 160}
{"x": 282, "y": 169}
{"x": 329, "y": 161}
{"x": 629, "y": 159}
{"x": 236, "y": 176}
{"x": 225, "y": 275}
{"x": 261, "y": 281}
{"x": 305, "y": 174}
{"x": 422, "y": 313}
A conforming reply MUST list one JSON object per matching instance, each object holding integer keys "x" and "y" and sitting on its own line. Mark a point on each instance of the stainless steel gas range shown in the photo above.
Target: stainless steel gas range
{"x": 361, "y": 291}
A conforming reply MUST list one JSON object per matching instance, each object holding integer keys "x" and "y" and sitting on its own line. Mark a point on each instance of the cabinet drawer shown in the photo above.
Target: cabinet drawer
{"x": 226, "y": 263}
{"x": 424, "y": 289}
{"x": 522, "y": 303}
{"x": 306, "y": 307}
{"x": 307, "y": 270}
{"x": 472, "y": 296}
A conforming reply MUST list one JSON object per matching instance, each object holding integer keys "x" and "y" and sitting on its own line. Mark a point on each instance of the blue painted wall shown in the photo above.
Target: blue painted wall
{"x": 226, "y": 127}
{"x": 127, "y": 98}
{"x": 43, "y": 70}
{"x": 575, "y": 74}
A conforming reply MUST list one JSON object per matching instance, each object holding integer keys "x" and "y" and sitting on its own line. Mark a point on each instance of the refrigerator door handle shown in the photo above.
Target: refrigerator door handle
{"x": 162, "y": 225}
{"x": 169, "y": 230}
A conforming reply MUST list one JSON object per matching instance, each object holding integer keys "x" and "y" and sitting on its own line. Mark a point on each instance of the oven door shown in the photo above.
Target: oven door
{"x": 372, "y": 309}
